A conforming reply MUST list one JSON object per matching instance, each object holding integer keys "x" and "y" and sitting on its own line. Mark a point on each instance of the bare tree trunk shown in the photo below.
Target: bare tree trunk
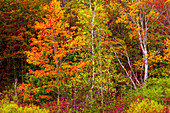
{"x": 55, "y": 50}
{"x": 101, "y": 75}
{"x": 22, "y": 69}
{"x": 58, "y": 89}
{"x": 92, "y": 47}
{"x": 125, "y": 70}
{"x": 143, "y": 43}
{"x": 146, "y": 66}
{"x": 15, "y": 80}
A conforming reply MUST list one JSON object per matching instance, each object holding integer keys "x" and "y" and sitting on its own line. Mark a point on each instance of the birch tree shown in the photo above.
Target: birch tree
{"x": 136, "y": 16}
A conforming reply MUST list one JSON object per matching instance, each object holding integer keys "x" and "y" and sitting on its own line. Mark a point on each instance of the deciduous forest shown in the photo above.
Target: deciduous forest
{"x": 84, "y": 56}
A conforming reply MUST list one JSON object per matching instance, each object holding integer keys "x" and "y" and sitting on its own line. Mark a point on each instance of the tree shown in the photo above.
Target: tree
{"x": 49, "y": 56}
{"x": 136, "y": 16}
{"x": 94, "y": 33}
{"x": 17, "y": 27}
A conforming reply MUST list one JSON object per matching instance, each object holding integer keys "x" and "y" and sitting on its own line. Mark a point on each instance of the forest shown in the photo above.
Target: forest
{"x": 84, "y": 56}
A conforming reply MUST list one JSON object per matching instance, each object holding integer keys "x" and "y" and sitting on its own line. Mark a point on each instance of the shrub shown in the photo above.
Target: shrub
{"x": 145, "y": 106}
{"x": 54, "y": 107}
{"x": 157, "y": 89}
{"x": 14, "y": 108}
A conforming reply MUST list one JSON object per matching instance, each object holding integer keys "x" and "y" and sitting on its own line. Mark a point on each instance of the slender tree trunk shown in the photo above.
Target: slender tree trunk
{"x": 74, "y": 97}
{"x": 101, "y": 75}
{"x": 125, "y": 70}
{"x": 146, "y": 66}
{"x": 15, "y": 80}
{"x": 58, "y": 88}
{"x": 22, "y": 69}
{"x": 92, "y": 47}
{"x": 55, "y": 50}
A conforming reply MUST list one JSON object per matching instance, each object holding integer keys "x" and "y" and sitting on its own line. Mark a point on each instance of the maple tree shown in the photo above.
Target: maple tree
{"x": 50, "y": 52}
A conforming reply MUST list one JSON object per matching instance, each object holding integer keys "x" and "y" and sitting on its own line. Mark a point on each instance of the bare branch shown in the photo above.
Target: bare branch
{"x": 125, "y": 70}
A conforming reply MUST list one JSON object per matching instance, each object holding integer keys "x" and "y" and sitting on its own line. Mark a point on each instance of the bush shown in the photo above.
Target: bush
{"x": 157, "y": 89}
{"x": 145, "y": 106}
{"x": 53, "y": 107}
{"x": 14, "y": 108}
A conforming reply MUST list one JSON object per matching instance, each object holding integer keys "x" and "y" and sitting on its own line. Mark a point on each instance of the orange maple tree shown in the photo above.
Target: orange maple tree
{"x": 50, "y": 52}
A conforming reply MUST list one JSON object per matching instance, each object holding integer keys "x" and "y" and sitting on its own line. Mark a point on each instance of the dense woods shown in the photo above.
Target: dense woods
{"x": 71, "y": 56}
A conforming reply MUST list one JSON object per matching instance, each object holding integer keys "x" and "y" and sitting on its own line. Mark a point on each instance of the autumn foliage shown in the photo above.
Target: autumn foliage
{"x": 49, "y": 52}
{"x": 85, "y": 55}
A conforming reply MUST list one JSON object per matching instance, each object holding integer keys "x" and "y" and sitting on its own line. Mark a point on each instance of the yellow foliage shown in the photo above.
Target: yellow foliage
{"x": 167, "y": 50}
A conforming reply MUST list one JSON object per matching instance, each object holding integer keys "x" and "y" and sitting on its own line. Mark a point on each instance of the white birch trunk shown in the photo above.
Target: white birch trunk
{"x": 93, "y": 52}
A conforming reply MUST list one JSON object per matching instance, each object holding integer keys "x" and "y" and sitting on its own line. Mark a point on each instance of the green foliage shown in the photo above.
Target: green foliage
{"x": 35, "y": 90}
{"x": 9, "y": 104}
{"x": 145, "y": 106}
{"x": 157, "y": 89}
{"x": 14, "y": 108}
